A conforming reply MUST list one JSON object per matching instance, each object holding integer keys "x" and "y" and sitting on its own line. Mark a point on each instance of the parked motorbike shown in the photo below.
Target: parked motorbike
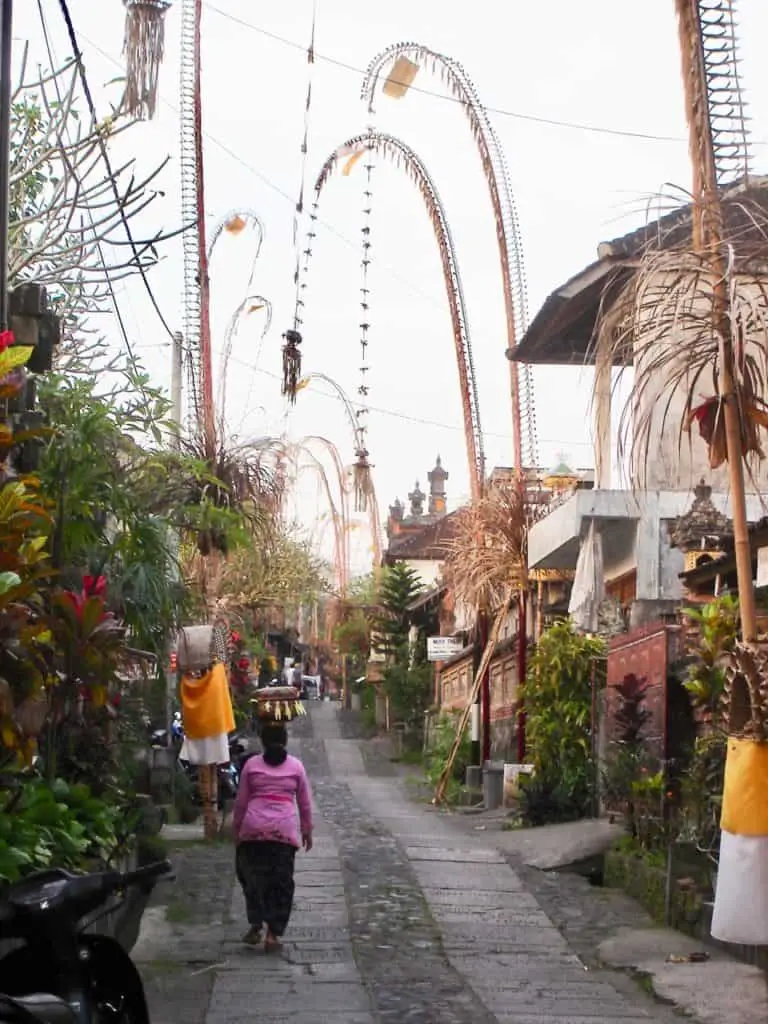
{"x": 228, "y": 774}
{"x": 62, "y": 974}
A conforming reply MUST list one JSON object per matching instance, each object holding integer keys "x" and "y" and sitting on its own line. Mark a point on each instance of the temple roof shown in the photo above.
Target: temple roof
{"x": 430, "y": 543}
{"x": 701, "y": 524}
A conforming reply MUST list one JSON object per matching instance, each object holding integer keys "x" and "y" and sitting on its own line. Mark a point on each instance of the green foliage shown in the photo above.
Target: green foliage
{"x": 442, "y": 736}
{"x": 627, "y": 759}
{"x": 716, "y": 631}
{"x": 60, "y": 825}
{"x": 410, "y": 691}
{"x": 352, "y": 638}
{"x": 557, "y": 696}
{"x": 399, "y": 588}
{"x": 702, "y": 794}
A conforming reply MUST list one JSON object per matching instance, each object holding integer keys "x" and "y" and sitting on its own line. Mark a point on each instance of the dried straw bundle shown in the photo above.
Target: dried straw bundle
{"x": 144, "y": 48}
{"x": 488, "y": 550}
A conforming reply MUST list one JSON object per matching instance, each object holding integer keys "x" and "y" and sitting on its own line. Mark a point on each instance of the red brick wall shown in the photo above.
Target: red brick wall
{"x": 646, "y": 653}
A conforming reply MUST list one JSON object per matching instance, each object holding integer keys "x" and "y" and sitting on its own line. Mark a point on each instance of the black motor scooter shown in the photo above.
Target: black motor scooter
{"x": 62, "y": 974}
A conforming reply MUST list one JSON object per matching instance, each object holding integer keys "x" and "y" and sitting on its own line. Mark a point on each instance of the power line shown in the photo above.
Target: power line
{"x": 401, "y": 279}
{"x": 77, "y": 54}
{"x": 99, "y": 247}
{"x": 394, "y": 414}
{"x": 517, "y": 115}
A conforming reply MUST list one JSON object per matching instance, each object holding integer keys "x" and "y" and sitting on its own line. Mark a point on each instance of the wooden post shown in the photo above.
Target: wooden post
{"x": 708, "y": 241}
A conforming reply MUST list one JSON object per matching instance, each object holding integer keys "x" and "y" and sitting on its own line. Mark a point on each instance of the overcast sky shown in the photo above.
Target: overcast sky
{"x": 601, "y": 63}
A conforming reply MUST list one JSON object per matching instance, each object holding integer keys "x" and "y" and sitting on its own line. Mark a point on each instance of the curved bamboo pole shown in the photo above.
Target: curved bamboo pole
{"x": 404, "y": 156}
{"x": 452, "y": 74}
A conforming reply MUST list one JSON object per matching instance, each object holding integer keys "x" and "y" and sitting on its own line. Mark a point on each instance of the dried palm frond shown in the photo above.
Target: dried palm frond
{"x": 488, "y": 551}
{"x": 661, "y": 321}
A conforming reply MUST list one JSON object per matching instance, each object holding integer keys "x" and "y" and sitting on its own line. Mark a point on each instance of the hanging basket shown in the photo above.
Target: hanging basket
{"x": 291, "y": 364}
{"x": 144, "y": 48}
{"x": 278, "y": 704}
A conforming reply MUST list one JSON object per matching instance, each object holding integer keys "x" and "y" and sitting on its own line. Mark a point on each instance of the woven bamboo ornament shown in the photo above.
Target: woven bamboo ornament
{"x": 144, "y": 48}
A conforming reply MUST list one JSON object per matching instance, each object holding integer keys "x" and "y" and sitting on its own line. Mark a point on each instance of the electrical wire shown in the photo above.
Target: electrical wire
{"x": 332, "y": 230}
{"x": 99, "y": 247}
{"x": 394, "y": 414}
{"x": 517, "y": 115}
{"x": 78, "y": 56}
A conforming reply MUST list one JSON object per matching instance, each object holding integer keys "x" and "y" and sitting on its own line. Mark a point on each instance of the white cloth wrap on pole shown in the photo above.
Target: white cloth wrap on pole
{"x": 475, "y": 724}
{"x": 588, "y": 589}
{"x": 741, "y": 900}
{"x": 210, "y": 750}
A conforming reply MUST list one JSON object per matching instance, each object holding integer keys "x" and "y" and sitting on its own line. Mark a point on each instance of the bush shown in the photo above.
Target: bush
{"x": 55, "y": 826}
{"x": 441, "y": 741}
{"x": 557, "y": 697}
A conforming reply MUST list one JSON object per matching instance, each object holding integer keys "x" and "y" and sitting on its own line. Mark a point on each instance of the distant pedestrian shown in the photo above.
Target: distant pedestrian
{"x": 265, "y": 830}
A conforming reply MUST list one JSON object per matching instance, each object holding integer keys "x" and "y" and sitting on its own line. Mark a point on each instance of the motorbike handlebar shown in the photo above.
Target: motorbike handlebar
{"x": 148, "y": 873}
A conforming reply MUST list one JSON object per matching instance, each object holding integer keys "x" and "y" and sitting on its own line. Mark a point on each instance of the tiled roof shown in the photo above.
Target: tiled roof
{"x": 429, "y": 543}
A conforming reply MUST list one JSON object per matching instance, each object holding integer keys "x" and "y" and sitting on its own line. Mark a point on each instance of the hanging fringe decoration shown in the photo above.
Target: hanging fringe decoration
{"x": 144, "y": 48}
{"x": 291, "y": 365}
{"x": 362, "y": 467}
{"x": 362, "y": 480}
{"x": 291, "y": 354}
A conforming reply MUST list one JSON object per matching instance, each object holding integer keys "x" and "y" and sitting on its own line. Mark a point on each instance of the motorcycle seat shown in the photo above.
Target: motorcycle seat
{"x": 43, "y": 1007}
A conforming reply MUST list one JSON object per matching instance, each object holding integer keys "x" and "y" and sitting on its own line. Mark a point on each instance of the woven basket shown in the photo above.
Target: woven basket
{"x": 194, "y": 648}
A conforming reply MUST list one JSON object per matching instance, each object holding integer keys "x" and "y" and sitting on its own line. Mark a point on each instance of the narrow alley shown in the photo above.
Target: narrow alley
{"x": 399, "y": 916}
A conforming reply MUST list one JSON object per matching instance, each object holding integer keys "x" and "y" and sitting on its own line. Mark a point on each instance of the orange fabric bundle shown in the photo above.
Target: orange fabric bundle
{"x": 207, "y": 705}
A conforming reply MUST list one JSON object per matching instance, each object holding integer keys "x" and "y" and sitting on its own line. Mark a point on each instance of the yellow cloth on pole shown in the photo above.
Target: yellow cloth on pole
{"x": 745, "y": 792}
{"x": 207, "y": 705}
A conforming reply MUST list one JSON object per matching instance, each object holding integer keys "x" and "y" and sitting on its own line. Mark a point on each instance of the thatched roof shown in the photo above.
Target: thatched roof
{"x": 563, "y": 330}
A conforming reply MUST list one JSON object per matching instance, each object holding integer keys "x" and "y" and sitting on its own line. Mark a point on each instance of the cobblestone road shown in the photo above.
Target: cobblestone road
{"x": 399, "y": 916}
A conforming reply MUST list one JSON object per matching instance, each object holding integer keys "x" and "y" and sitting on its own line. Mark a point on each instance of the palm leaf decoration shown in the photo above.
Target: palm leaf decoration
{"x": 658, "y": 316}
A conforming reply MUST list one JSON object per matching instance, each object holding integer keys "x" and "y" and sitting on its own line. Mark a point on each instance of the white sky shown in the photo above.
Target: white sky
{"x": 599, "y": 62}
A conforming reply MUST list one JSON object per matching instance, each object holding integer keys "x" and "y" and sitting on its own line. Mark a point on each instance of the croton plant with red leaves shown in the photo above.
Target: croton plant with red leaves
{"x": 240, "y": 662}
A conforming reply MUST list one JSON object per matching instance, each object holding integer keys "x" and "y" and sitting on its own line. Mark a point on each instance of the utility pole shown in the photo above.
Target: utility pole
{"x": 6, "y": 30}
{"x": 708, "y": 242}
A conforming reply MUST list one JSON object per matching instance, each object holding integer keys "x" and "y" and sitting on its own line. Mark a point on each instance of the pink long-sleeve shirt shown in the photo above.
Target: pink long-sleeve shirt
{"x": 267, "y": 797}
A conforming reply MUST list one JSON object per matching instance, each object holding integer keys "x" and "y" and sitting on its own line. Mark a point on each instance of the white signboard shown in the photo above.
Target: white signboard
{"x": 762, "y": 567}
{"x": 441, "y": 648}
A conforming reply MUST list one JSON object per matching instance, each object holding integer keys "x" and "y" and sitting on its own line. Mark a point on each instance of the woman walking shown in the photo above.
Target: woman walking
{"x": 267, "y": 834}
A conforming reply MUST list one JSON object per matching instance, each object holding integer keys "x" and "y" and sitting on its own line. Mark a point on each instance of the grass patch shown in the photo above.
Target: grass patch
{"x": 178, "y": 913}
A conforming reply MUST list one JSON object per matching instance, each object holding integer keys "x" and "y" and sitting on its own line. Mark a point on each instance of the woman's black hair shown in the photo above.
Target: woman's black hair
{"x": 274, "y": 740}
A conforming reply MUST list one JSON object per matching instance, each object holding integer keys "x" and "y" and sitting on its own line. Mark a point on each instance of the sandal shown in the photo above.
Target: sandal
{"x": 252, "y": 937}
{"x": 272, "y": 943}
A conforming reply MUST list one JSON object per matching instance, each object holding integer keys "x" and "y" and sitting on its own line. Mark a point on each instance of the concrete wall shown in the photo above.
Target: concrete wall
{"x": 428, "y": 570}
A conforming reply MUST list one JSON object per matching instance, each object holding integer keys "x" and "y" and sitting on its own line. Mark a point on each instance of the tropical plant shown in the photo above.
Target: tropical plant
{"x": 557, "y": 694}
{"x": 59, "y": 825}
{"x": 627, "y": 758}
{"x": 712, "y": 636}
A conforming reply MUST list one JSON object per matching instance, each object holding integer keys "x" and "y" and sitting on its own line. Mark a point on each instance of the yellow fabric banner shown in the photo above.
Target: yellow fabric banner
{"x": 207, "y": 705}
{"x": 745, "y": 793}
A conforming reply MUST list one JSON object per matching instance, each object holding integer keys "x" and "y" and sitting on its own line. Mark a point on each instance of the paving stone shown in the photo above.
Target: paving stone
{"x": 453, "y": 855}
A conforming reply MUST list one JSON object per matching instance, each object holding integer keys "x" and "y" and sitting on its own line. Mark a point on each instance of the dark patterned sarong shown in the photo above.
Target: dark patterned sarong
{"x": 265, "y": 871}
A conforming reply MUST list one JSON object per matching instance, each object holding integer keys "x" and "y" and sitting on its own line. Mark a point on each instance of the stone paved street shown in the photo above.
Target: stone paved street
{"x": 400, "y": 916}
